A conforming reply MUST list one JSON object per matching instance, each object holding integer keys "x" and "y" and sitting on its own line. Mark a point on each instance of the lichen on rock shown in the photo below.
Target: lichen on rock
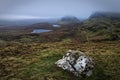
{"x": 77, "y": 63}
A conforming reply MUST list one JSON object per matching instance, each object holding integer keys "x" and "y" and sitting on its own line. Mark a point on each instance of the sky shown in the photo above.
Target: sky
{"x": 30, "y": 9}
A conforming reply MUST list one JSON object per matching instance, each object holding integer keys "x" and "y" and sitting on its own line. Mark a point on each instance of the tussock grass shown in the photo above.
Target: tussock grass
{"x": 35, "y": 61}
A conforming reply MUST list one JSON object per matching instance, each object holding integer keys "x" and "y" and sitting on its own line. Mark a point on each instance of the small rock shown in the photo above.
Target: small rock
{"x": 77, "y": 63}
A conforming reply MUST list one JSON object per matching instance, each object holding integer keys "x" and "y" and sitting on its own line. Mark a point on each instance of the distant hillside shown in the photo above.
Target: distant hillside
{"x": 110, "y": 15}
{"x": 68, "y": 20}
{"x": 96, "y": 28}
{"x": 26, "y": 22}
{"x": 44, "y": 25}
{"x": 105, "y": 25}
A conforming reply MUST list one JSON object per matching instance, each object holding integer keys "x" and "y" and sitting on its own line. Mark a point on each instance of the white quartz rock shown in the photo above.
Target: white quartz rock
{"x": 77, "y": 63}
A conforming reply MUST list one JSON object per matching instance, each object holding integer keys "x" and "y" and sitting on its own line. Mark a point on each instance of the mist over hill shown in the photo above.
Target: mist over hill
{"x": 62, "y": 20}
{"x": 30, "y": 22}
{"x": 25, "y": 22}
{"x": 110, "y": 15}
{"x": 68, "y": 20}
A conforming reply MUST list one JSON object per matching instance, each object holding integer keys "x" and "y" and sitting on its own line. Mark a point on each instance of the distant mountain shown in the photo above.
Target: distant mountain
{"x": 110, "y": 15}
{"x": 104, "y": 24}
{"x": 26, "y": 22}
{"x": 68, "y": 20}
{"x": 103, "y": 19}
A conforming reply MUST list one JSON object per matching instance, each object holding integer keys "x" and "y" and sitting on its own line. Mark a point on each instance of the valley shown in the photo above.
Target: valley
{"x": 29, "y": 54}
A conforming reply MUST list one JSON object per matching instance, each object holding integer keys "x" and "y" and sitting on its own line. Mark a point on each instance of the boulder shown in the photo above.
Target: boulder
{"x": 77, "y": 63}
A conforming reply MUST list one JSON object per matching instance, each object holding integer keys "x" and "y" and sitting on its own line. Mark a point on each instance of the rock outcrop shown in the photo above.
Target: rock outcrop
{"x": 77, "y": 63}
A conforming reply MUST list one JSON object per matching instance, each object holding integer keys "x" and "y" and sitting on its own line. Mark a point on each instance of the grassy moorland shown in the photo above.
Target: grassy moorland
{"x": 35, "y": 61}
{"x": 25, "y": 56}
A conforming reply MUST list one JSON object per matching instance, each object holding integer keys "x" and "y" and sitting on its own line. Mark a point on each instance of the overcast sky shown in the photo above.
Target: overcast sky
{"x": 21, "y": 9}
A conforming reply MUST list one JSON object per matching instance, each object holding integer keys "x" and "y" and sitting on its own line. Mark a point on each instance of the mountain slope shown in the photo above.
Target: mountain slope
{"x": 69, "y": 20}
{"x": 110, "y": 15}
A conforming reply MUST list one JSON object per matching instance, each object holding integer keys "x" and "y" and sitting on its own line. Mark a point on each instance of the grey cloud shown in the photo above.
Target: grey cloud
{"x": 57, "y": 8}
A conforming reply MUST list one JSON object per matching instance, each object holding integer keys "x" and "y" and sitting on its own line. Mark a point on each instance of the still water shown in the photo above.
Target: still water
{"x": 40, "y": 30}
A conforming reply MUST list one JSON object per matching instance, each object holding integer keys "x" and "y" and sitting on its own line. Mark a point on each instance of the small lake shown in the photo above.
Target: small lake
{"x": 56, "y": 25}
{"x": 40, "y": 30}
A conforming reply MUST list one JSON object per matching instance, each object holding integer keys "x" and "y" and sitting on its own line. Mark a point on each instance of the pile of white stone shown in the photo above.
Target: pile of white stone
{"x": 77, "y": 63}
